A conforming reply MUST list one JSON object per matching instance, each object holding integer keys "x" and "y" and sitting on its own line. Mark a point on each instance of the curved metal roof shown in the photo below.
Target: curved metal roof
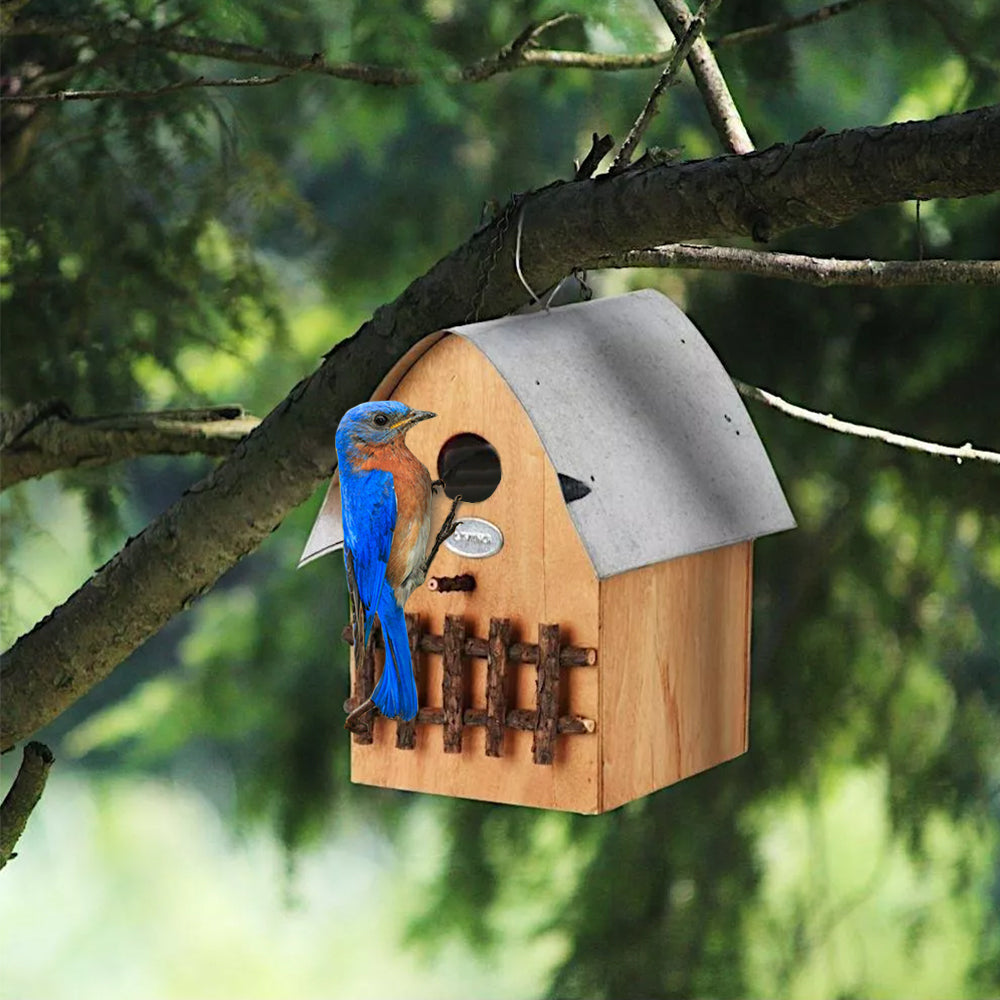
{"x": 628, "y": 398}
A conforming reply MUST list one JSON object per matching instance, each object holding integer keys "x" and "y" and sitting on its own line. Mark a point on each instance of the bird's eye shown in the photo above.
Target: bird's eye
{"x": 381, "y": 419}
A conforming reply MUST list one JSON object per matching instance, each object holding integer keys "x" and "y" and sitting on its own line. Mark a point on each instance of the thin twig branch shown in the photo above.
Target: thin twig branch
{"x": 710, "y": 82}
{"x": 601, "y": 62}
{"x": 945, "y": 18}
{"x": 23, "y": 796}
{"x": 831, "y": 423}
{"x": 511, "y": 55}
{"x": 57, "y": 96}
{"x": 522, "y": 52}
{"x": 810, "y": 270}
{"x": 685, "y": 42}
{"x": 61, "y": 441}
{"x": 784, "y": 24}
{"x": 600, "y": 146}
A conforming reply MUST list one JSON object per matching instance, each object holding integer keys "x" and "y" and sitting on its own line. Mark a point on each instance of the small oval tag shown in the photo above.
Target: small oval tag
{"x": 475, "y": 538}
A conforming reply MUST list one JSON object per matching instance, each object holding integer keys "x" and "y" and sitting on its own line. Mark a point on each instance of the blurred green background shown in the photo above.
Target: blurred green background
{"x": 200, "y": 837}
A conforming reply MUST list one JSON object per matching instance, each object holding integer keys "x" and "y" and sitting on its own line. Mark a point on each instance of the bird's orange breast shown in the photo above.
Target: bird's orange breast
{"x": 412, "y": 484}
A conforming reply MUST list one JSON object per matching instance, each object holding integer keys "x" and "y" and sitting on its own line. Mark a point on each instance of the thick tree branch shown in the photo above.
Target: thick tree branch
{"x": 23, "y": 796}
{"x": 962, "y": 453}
{"x": 566, "y": 224}
{"x": 62, "y": 441}
{"x": 708, "y": 77}
{"x": 812, "y": 270}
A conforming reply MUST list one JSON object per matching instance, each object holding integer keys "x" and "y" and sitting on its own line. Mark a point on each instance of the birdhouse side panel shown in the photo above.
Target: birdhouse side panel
{"x": 675, "y": 643}
{"x": 541, "y": 575}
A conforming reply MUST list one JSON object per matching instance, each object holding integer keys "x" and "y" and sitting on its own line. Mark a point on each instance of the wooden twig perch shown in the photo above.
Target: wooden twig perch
{"x": 446, "y": 531}
{"x": 450, "y": 584}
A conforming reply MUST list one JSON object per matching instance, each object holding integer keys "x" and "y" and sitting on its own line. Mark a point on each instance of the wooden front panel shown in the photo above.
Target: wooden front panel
{"x": 675, "y": 645}
{"x": 542, "y": 575}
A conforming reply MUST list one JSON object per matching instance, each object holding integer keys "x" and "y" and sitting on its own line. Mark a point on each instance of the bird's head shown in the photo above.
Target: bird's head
{"x": 373, "y": 424}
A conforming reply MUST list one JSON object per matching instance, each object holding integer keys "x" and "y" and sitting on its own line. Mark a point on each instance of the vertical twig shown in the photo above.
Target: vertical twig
{"x": 685, "y": 40}
{"x": 546, "y": 695}
{"x": 496, "y": 685}
{"x": 452, "y": 682}
{"x": 364, "y": 685}
{"x": 709, "y": 79}
{"x": 406, "y": 730}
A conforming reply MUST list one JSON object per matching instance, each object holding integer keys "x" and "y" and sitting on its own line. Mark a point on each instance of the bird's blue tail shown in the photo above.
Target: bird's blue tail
{"x": 396, "y": 691}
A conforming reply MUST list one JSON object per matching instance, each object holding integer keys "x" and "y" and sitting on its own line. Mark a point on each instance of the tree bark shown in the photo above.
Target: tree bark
{"x": 23, "y": 796}
{"x": 565, "y": 225}
{"x": 61, "y": 441}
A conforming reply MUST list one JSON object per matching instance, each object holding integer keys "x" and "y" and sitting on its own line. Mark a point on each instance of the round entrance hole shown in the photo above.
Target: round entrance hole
{"x": 470, "y": 468}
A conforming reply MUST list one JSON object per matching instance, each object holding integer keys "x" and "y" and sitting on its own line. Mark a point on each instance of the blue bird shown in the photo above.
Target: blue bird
{"x": 386, "y": 502}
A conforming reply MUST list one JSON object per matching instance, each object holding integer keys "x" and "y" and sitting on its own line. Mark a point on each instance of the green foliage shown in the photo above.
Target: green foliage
{"x": 210, "y": 246}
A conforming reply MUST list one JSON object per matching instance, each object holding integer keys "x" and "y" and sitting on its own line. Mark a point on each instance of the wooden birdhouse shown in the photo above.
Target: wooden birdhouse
{"x": 612, "y": 486}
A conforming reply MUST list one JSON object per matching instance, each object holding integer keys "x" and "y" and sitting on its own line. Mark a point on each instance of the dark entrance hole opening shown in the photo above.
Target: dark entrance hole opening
{"x": 470, "y": 468}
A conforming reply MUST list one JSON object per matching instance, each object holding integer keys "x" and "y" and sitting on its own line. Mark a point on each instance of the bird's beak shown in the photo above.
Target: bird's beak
{"x": 413, "y": 417}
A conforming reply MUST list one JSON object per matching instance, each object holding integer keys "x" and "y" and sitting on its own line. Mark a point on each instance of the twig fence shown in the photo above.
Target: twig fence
{"x": 548, "y": 655}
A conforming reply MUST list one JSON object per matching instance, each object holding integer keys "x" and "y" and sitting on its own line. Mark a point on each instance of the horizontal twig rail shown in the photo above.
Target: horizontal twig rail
{"x": 517, "y": 652}
{"x": 520, "y": 719}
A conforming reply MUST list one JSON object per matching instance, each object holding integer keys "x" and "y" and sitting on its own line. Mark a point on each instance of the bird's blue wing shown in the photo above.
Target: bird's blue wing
{"x": 368, "y": 502}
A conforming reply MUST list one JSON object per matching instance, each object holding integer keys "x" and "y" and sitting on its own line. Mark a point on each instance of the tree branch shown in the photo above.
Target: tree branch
{"x": 567, "y": 224}
{"x": 23, "y": 797}
{"x": 57, "y": 96}
{"x": 784, "y": 24}
{"x": 945, "y": 18}
{"x": 831, "y": 423}
{"x": 684, "y": 44}
{"x": 14, "y": 423}
{"x": 812, "y": 270}
{"x": 708, "y": 77}
{"x": 61, "y": 441}
{"x": 522, "y": 52}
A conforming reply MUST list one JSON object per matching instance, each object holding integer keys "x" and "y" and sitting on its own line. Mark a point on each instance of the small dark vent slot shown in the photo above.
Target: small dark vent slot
{"x": 572, "y": 489}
